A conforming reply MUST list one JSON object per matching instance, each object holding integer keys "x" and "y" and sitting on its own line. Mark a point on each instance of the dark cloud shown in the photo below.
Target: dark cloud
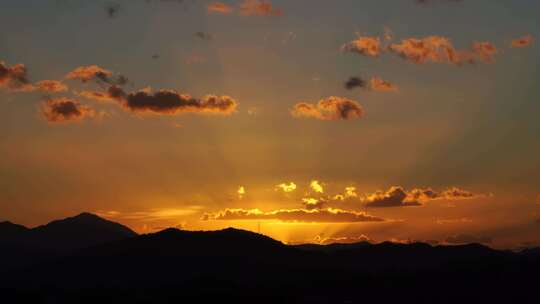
{"x": 112, "y": 10}
{"x": 14, "y": 77}
{"x": 355, "y": 82}
{"x": 203, "y": 36}
{"x": 295, "y": 215}
{"x": 332, "y": 108}
{"x": 468, "y": 239}
{"x": 394, "y": 197}
{"x": 65, "y": 110}
{"x": 397, "y": 196}
{"x": 166, "y": 102}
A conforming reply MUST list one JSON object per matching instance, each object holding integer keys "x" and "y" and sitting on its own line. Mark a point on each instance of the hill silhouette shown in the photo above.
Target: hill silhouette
{"x": 173, "y": 266}
{"x": 24, "y": 246}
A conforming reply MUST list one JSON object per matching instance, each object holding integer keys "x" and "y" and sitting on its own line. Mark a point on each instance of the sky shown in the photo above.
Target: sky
{"x": 306, "y": 120}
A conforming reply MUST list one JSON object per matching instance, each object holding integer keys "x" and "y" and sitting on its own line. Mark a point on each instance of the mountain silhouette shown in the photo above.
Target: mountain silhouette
{"x": 114, "y": 265}
{"x": 10, "y": 231}
{"x": 23, "y": 246}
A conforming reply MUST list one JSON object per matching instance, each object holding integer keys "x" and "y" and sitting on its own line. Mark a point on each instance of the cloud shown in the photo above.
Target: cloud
{"x": 95, "y": 73}
{"x": 433, "y": 48}
{"x": 355, "y": 82}
{"x": 426, "y": 2}
{"x": 468, "y": 239}
{"x": 165, "y": 102}
{"x": 328, "y": 215}
{"x": 380, "y": 85}
{"x": 485, "y": 50}
{"x": 350, "y": 192}
{"x": 15, "y": 77}
{"x": 453, "y": 221}
{"x": 112, "y": 10}
{"x": 171, "y": 102}
{"x": 203, "y": 36}
{"x": 522, "y": 41}
{"x": 394, "y": 197}
{"x": 259, "y": 8}
{"x": 65, "y": 110}
{"x": 287, "y": 188}
{"x": 311, "y": 203}
{"x": 152, "y": 214}
{"x": 341, "y": 240}
{"x": 316, "y": 186}
{"x": 241, "y": 192}
{"x": 367, "y": 46}
{"x": 219, "y": 8}
{"x": 332, "y": 108}
{"x": 397, "y": 196}
{"x": 51, "y": 86}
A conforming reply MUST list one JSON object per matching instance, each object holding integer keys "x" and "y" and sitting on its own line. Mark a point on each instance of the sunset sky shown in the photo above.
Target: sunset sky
{"x": 316, "y": 121}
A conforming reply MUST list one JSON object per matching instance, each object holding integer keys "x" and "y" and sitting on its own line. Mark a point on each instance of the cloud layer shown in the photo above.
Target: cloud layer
{"x": 328, "y": 215}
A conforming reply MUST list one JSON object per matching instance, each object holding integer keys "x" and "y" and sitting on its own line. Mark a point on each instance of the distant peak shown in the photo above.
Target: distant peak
{"x": 87, "y": 215}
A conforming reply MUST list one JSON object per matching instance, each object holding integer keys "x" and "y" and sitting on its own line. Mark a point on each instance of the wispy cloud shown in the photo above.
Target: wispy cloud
{"x": 522, "y": 41}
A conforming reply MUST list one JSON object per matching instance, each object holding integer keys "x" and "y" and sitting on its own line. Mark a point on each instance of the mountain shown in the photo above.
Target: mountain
{"x": 231, "y": 265}
{"x": 23, "y": 246}
{"x": 10, "y": 231}
{"x": 83, "y": 230}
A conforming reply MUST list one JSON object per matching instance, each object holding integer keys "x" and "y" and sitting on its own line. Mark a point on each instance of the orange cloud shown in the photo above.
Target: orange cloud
{"x": 341, "y": 240}
{"x": 14, "y": 77}
{"x": 51, "y": 86}
{"x": 65, "y": 110}
{"x": 286, "y": 187}
{"x": 94, "y": 72}
{"x": 433, "y": 48}
{"x": 380, "y": 85}
{"x": 522, "y": 41}
{"x": 219, "y": 8}
{"x": 328, "y": 215}
{"x": 332, "y": 108}
{"x": 485, "y": 50}
{"x": 165, "y": 102}
{"x": 259, "y": 8}
{"x": 241, "y": 192}
{"x": 367, "y": 46}
{"x": 311, "y": 203}
{"x": 87, "y": 73}
{"x": 316, "y": 186}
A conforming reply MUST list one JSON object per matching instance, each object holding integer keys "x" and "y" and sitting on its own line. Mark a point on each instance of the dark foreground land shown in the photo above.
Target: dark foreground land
{"x": 86, "y": 259}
